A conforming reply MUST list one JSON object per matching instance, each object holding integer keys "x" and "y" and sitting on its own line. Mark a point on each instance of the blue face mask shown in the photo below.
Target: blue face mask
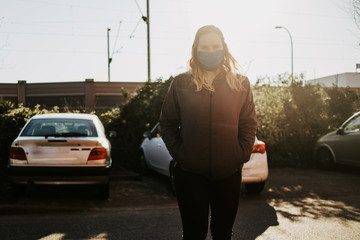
{"x": 210, "y": 61}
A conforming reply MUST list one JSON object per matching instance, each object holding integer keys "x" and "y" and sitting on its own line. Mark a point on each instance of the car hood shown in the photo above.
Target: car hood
{"x": 327, "y": 136}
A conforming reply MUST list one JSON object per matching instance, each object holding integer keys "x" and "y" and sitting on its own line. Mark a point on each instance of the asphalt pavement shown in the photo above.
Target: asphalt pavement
{"x": 295, "y": 204}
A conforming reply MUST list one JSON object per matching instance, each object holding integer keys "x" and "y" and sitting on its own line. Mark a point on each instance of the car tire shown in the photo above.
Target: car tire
{"x": 255, "y": 187}
{"x": 144, "y": 169}
{"x": 324, "y": 159}
{"x": 18, "y": 190}
{"x": 172, "y": 183}
{"x": 104, "y": 191}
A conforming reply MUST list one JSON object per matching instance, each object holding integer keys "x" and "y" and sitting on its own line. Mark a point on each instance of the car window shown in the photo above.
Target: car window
{"x": 353, "y": 125}
{"x": 60, "y": 127}
{"x": 155, "y": 132}
{"x": 158, "y": 130}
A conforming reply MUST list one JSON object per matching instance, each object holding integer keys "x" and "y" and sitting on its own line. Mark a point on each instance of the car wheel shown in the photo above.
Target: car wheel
{"x": 324, "y": 159}
{"x": 255, "y": 187}
{"x": 104, "y": 191}
{"x": 144, "y": 169}
{"x": 18, "y": 189}
{"x": 172, "y": 165}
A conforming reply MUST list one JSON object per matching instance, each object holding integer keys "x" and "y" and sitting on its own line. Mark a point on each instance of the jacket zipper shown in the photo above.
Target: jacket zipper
{"x": 210, "y": 134}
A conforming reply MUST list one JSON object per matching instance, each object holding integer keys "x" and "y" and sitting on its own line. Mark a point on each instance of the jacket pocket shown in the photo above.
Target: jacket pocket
{"x": 245, "y": 152}
{"x": 240, "y": 153}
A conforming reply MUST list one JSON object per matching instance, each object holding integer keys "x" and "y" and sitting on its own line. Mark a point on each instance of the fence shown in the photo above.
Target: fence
{"x": 84, "y": 96}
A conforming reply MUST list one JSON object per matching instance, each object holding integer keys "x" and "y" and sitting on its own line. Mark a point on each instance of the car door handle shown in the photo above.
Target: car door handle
{"x": 158, "y": 146}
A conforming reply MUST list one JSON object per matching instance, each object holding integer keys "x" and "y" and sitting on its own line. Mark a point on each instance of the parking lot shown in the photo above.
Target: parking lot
{"x": 296, "y": 204}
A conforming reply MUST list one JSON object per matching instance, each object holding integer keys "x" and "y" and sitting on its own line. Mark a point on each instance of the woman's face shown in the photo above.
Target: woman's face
{"x": 210, "y": 42}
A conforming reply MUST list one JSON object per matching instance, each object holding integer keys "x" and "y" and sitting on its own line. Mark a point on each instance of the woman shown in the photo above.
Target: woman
{"x": 208, "y": 124}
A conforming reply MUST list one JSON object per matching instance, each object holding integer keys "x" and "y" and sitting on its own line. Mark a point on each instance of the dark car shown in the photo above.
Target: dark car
{"x": 341, "y": 146}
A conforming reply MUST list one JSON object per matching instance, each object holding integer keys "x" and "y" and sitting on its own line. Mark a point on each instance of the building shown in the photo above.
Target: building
{"x": 351, "y": 80}
{"x": 84, "y": 96}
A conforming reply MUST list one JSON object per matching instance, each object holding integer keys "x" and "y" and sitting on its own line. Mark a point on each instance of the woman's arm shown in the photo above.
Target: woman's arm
{"x": 247, "y": 124}
{"x": 170, "y": 120}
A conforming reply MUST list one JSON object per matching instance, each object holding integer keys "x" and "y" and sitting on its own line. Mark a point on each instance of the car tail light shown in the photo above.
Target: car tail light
{"x": 97, "y": 153}
{"x": 17, "y": 153}
{"x": 259, "y": 148}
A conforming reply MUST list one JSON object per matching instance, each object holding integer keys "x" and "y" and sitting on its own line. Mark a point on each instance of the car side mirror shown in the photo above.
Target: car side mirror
{"x": 112, "y": 134}
{"x": 147, "y": 134}
{"x": 340, "y": 131}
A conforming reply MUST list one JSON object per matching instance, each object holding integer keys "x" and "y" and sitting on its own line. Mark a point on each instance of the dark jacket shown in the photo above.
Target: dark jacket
{"x": 208, "y": 133}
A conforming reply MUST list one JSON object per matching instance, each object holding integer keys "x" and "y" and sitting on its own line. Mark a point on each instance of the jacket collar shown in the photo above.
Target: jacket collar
{"x": 220, "y": 77}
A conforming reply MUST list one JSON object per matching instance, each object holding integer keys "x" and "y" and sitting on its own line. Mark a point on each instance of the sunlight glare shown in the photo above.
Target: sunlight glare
{"x": 54, "y": 236}
{"x": 100, "y": 236}
{"x": 61, "y": 236}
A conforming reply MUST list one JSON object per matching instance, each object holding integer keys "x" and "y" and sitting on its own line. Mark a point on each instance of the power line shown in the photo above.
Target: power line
{"x": 139, "y": 8}
{"x": 318, "y": 43}
{"x": 312, "y": 14}
{"x": 170, "y": 10}
{"x": 79, "y": 6}
{"x": 51, "y": 51}
{"x": 117, "y": 37}
{"x": 146, "y": 19}
{"x": 132, "y": 35}
{"x": 174, "y": 54}
{"x": 42, "y": 23}
{"x": 54, "y": 34}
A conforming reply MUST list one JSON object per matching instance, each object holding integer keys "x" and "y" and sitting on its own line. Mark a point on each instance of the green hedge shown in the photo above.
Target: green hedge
{"x": 291, "y": 116}
{"x": 12, "y": 119}
{"x": 138, "y": 115}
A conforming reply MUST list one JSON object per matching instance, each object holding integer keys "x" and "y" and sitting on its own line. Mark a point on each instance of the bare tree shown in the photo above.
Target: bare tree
{"x": 351, "y": 7}
{"x": 355, "y": 11}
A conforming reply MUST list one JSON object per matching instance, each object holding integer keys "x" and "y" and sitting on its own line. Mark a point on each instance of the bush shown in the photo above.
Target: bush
{"x": 140, "y": 114}
{"x": 303, "y": 111}
{"x": 341, "y": 103}
{"x": 291, "y": 116}
{"x": 11, "y": 122}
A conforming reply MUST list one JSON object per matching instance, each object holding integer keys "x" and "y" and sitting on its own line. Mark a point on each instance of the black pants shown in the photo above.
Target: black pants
{"x": 195, "y": 193}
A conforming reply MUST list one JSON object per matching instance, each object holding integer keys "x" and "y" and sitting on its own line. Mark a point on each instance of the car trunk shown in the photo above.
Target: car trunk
{"x": 57, "y": 151}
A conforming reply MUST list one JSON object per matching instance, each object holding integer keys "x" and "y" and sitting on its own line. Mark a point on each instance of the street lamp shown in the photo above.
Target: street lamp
{"x": 292, "y": 56}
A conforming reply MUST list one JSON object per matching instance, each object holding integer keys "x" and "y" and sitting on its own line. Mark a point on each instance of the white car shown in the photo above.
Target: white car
{"x": 155, "y": 156}
{"x": 62, "y": 148}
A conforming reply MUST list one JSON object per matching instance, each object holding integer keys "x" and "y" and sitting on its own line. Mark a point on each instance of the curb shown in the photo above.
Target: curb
{"x": 124, "y": 174}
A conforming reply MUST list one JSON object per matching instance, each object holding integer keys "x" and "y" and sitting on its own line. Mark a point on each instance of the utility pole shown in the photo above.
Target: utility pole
{"x": 148, "y": 38}
{"x": 147, "y": 21}
{"x": 109, "y": 59}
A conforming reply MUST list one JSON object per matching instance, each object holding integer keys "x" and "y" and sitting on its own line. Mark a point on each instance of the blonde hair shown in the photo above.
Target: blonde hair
{"x": 230, "y": 65}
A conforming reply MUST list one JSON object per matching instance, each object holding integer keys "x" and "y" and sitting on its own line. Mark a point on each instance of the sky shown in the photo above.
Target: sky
{"x": 66, "y": 40}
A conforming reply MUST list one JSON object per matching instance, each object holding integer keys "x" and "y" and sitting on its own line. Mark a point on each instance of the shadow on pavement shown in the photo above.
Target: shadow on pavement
{"x": 315, "y": 193}
{"x": 105, "y": 225}
{"x": 144, "y": 208}
{"x": 254, "y": 217}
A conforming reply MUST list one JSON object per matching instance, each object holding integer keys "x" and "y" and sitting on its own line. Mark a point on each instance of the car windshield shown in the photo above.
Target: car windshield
{"x": 353, "y": 125}
{"x": 60, "y": 127}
